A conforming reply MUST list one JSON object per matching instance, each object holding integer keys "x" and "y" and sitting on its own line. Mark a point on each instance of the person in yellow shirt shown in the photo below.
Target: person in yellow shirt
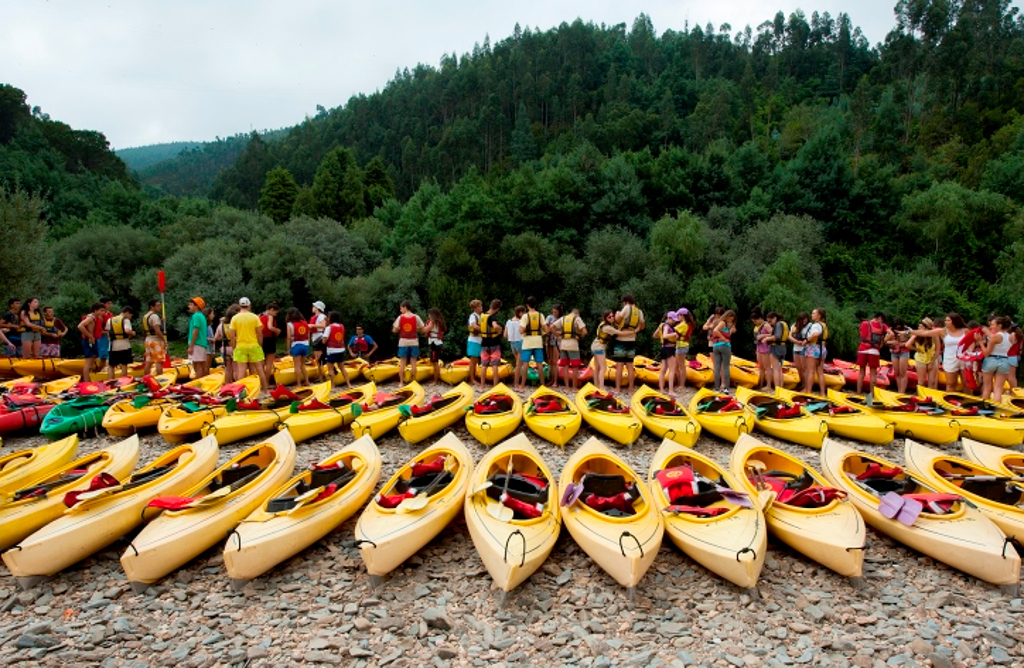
{"x": 246, "y": 335}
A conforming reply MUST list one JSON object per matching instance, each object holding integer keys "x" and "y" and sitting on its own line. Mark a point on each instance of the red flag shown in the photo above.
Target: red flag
{"x": 161, "y": 281}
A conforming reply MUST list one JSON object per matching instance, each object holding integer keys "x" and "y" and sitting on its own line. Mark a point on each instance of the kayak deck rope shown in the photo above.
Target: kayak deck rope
{"x": 508, "y": 540}
{"x": 636, "y": 540}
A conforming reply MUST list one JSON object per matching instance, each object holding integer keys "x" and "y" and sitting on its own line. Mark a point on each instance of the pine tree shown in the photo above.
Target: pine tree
{"x": 277, "y": 197}
{"x": 338, "y": 187}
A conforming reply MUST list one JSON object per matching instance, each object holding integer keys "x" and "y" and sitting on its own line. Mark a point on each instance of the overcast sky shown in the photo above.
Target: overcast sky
{"x": 147, "y": 72}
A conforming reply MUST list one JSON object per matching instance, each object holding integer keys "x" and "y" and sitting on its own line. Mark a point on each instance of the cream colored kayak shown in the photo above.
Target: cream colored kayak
{"x": 725, "y": 537}
{"x": 994, "y": 494}
{"x": 180, "y": 422}
{"x": 844, "y": 420}
{"x": 424, "y": 420}
{"x": 1007, "y": 462}
{"x": 303, "y": 510}
{"x": 513, "y": 541}
{"x": 41, "y": 499}
{"x": 664, "y": 417}
{"x": 284, "y": 370}
{"x": 624, "y": 545}
{"x": 926, "y": 424}
{"x": 396, "y": 524}
{"x": 382, "y": 415}
{"x": 234, "y": 490}
{"x": 90, "y": 525}
{"x": 959, "y": 535}
{"x": 552, "y": 416}
{"x": 18, "y": 468}
{"x": 495, "y": 415}
{"x": 315, "y": 418}
{"x": 804, "y": 511}
{"x": 124, "y": 418}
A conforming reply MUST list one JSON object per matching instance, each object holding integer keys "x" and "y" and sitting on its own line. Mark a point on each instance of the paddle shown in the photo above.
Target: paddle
{"x": 419, "y": 502}
{"x": 984, "y": 478}
{"x": 500, "y": 511}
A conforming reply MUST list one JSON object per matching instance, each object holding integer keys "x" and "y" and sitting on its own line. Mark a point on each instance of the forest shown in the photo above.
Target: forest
{"x": 790, "y": 165}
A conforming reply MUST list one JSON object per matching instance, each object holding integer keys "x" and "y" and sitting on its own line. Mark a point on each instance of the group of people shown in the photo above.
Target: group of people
{"x": 30, "y": 331}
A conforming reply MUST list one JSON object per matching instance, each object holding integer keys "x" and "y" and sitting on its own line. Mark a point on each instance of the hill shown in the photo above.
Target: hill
{"x": 140, "y": 157}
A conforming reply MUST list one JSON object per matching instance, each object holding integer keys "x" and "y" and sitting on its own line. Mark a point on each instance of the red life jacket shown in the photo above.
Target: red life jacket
{"x": 265, "y": 322}
{"x": 359, "y": 344}
{"x": 407, "y": 326}
{"x": 98, "y": 325}
{"x": 336, "y": 336}
{"x": 300, "y": 332}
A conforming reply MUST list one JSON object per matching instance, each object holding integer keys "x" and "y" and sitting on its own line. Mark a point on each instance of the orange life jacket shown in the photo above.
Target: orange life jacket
{"x": 407, "y": 326}
{"x": 336, "y": 336}
{"x": 300, "y": 332}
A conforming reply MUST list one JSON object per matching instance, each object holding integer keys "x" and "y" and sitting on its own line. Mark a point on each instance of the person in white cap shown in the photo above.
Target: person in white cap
{"x": 318, "y": 322}
{"x": 684, "y": 328}
{"x": 247, "y": 338}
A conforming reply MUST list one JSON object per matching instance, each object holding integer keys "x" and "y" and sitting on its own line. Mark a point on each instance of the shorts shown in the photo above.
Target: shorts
{"x": 156, "y": 348}
{"x": 31, "y": 337}
{"x": 297, "y": 350}
{"x": 996, "y": 364}
{"x": 248, "y": 354}
{"x": 490, "y": 356}
{"x": 49, "y": 350}
{"x": 473, "y": 348}
{"x": 89, "y": 349}
{"x": 569, "y": 358}
{"x": 535, "y": 354}
{"x": 408, "y": 352}
{"x": 668, "y": 353}
{"x": 1014, "y": 361}
{"x": 119, "y": 357}
{"x": 103, "y": 347}
{"x": 905, "y": 355}
{"x": 683, "y": 351}
{"x": 517, "y": 348}
{"x": 952, "y": 366}
{"x": 198, "y": 354}
{"x": 435, "y": 352}
{"x": 624, "y": 352}
{"x": 269, "y": 345}
{"x": 780, "y": 352}
{"x": 866, "y": 361}
{"x": 319, "y": 345}
{"x": 814, "y": 351}
{"x": 332, "y": 358}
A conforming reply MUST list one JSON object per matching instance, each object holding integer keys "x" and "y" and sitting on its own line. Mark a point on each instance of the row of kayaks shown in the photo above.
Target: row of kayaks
{"x": 57, "y": 509}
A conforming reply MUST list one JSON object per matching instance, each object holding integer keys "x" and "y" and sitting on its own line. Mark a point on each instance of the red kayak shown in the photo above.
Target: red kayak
{"x": 25, "y": 418}
{"x": 850, "y": 372}
{"x": 584, "y": 373}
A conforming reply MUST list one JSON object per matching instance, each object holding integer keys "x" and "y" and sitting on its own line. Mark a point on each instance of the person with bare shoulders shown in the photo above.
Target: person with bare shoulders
{"x": 271, "y": 332}
{"x": 721, "y": 349}
{"x": 247, "y": 338}
{"x": 54, "y": 330}
{"x": 995, "y": 369}
{"x": 155, "y": 341}
{"x": 90, "y": 327}
{"x": 869, "y": 352}
{"x": 629, "y": 320}
{"x": 435, "y": 330}
{"x": 925, "y": 345}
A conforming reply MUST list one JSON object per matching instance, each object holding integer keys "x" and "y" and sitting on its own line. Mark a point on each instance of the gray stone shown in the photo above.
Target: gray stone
{"x": 357, "y": 652}
{"x": 436, "y": 619}
{"x": 939, "y": 661}
{"x": 919, "y": 646}
{"x": 446, "y": 654}
{"x": 1000, "y": 655}
{"x": 31, "y": 641}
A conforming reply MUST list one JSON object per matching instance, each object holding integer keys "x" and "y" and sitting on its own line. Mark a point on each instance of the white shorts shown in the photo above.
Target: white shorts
{"x": 198, "y": 354}
{"x": 952, "y": 366}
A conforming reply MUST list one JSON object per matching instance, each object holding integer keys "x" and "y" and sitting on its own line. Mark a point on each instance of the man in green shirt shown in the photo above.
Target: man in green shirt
{"x": 197, "y": 342}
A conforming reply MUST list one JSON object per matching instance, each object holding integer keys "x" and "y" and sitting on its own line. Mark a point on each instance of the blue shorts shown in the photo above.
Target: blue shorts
{"x": 597, "y": 353}
{"x": 517, "y": 348}
{"x": 536, "y": 354}
{"x": 473, "y": 349}
{"x": 297, "y": 350}
{"x": 408, "y": 352}
{"x": 335, "y": 358}
{"x": 103, "y": 347}
{"x": 90, "y": 349}
{"x": 996, "y": 364}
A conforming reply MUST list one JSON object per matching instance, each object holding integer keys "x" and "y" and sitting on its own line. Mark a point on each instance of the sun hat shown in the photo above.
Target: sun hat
{"x": 319, "y": 306}
{"x": 928, "y": 322}
{"x": 199, "y": 301}
{"x": 244, "y": 301}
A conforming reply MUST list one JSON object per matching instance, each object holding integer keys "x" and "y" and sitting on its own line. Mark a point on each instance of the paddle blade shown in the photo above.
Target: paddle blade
{"x": 499, "y": 511}
{"x": 412, "y": 504}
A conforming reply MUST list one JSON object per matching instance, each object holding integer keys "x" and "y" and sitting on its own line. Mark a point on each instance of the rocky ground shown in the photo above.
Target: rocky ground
{"x": 440, "y": 609}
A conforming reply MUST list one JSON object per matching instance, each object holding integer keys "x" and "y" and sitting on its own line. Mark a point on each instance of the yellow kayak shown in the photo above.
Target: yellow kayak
{"x": 942, "y": 526}
{"x": 512, "y": 511}
{"x": 284, "y": 370}
{"x": 495, "y": 415}
{"x": 790, "y": 376}
{"x": 302, "y": 511}
{"x": 549, "y": 414}
{"x": 843, "y": 419}
{"x": 925, "y": 423}
{"x": 646, "y": 370}
{"x": 699, "y": 373}
{"x": 956, "y": 403}
{"x": 607, "y": 508}
{"x": 247, "y": 422}
{"x": 53, "y": 389}
{"x": 420, "y": 500}
{"x": 721, "y": 414}
{"x": 90, "y": 525}
{"x": 1006, "y": 462}
{"x": 783, "y": 419}
{"x": 743, "y": 373}
{"x": 455, "y": 372}
{"x": 41, "y": 499}
{"x": 608, "y": 414}
{"x": 424, "y": 371}
{"x": 426, "y": 419}
{"x": 200, "y": 518}
{"x": 804, "y": 511}
{"x": 18, "y": 468}
{"x": 40, "y": 368}
{"x": 993, "y": 492}
{"x": 354, "y": 369}
{"x": 664, "y": 416}
{"x": 178, "y": 423}
{"x": 381, "y": 372}
{"x": 7, "y": 367}
{"x": 504, "y": 371}
{"x": 972, "y": 425}
{"x": 383, "y": 414}
{"x": 124, "y": 417}
{"x": 8, "y": 385}
{"x": 315, "y": 418}
{"x": 725, "y": 534}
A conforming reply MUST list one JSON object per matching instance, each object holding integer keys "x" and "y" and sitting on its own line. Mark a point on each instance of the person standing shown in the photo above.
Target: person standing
{"x": 552, "y": 340}
{"x": 926, "y": 353}
{"x": 668, "y": 336}
{"x": 361, "y": 345}
{"x": 869, "y": 352}
{"x": 570, "y": 328}
{"x": 897, "y": 339}
{"x": 11, "y": 324}
{"x": 490, "y": 343}
{"x": 684, "y": 330}
{"x": 474, "y": 342}
{"x": 777, "y": 354}
{"x": 317, "y": 326}
{"x": 763, "y": 350}
{"x": 297, "y": 342}
{"x": 119, "y": 329}
{"x": 814, "y": 352}
{"x": 196, "y": 337}
{"x": 407, "y": 325}
{"x": 721, "y": 349}
{"x": 604, "y": 336}
{"x": 32, "y": 329}
{"x": 532, "y": 327}
{"x": 54, "y": 330}
{"x": 268, "y": 321}
{"x": 629, "y": 320}
{"x": 222, "y": 335}
{"x": 334, "y": 335}
{"x": 90, "y": 327}
{"x": 435, "y": 329}
{"x": 247, "y": 337}
{"x": 996, "y": 368}
{"x": 103, "y": 342}
{"x": 156, "y": 340}
{"x": 515, "y": 339}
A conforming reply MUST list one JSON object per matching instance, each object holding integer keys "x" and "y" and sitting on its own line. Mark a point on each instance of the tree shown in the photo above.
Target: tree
{"x": 338, "y": 187}
{"x": 277, "y": 197}
{"x": 379, "y": 186}
{"x": 21, "y": 240}
{"x": 523, "y": 146}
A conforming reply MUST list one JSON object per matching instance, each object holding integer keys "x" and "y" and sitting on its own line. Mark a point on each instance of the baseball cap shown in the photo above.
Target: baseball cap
{"x": 200, "y": 302}
{"x": 672, "y": 315}
{"x": 681, "y": 312}
{"x": 244, "y": 301}
{"x": 320, "y": 306}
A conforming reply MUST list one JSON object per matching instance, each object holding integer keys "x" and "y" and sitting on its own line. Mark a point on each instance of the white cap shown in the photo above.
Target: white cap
{"x": 320, "y": 306}
{"x": 244, "y": 301}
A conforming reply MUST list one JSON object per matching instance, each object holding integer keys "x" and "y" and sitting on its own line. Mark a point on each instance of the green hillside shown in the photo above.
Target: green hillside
{"x": 141, "y": 157}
